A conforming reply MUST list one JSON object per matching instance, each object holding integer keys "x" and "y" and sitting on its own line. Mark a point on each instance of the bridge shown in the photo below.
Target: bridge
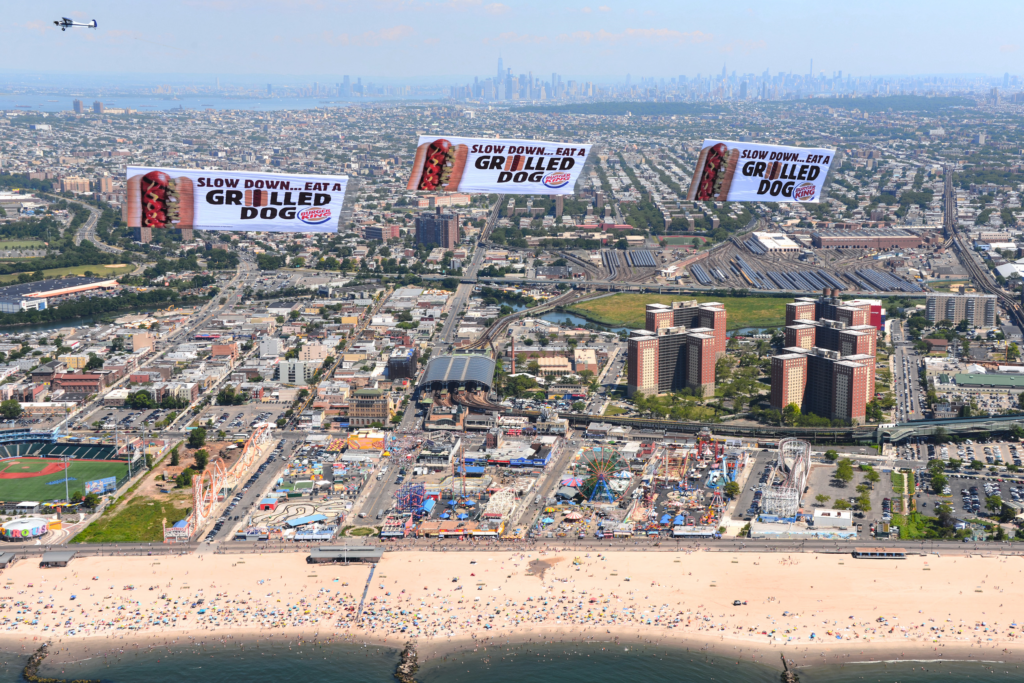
{"x": 882, "y": 433}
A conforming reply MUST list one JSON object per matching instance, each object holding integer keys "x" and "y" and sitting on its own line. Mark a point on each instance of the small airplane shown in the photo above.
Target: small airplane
{"x": 66, "y": 23}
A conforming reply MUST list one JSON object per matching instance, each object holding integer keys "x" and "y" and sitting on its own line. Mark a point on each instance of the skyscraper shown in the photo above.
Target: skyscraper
{"x": 270, "y": 89}
{"x": 438, "y": 229}
{"x": 501, "y": 69}
{"x": 77, "y": 104}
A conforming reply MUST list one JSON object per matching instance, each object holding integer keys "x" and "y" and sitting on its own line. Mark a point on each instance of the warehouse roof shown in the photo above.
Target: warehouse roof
{"x": 989, "y": 380}
{"x": 856, "y": 234}
{"x": 460, "y": 368}
{"x": 43, "y": 287}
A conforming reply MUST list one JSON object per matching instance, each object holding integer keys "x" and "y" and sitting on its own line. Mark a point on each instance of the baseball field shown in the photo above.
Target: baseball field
{"x": 42, "y": 479}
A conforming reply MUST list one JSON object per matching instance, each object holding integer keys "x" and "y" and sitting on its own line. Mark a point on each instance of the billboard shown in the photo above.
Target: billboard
{"x": 484, "y": 166}
{"x": 101, "y": 486}
{"x": 233, "y": 200}
{"x": 729, "y": 171}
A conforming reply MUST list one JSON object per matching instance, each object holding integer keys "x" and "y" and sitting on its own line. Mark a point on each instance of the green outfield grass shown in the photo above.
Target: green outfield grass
{"x": 97, "y": 271}
{"x": 627, "y": 310}
{"x": 38, "y": 488}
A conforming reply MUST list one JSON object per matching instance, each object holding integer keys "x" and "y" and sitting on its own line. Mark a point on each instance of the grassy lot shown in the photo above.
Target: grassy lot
{"x": 627, "y": 310}
{"x": 612, "y": 411}
{"x": 944, "y": 285}
{"x": 21, "y": 244}
{"x": 916, "y": 526}
{"x": 681, "y": 240}
{"x": 98, "y": 271}
{"x": 140, "y": 521}
{"x": 51, "y": 486}
{"x": 897, "y": 482}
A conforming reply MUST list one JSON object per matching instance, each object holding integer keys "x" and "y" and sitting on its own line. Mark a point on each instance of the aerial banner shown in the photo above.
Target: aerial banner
{"x": 483, "y": 165}
{"x": 233, "y": 200}
{"x": 729, "y": 171}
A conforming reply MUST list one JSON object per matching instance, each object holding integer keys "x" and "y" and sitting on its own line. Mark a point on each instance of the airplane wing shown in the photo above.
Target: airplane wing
{"x": 65, "y": 20}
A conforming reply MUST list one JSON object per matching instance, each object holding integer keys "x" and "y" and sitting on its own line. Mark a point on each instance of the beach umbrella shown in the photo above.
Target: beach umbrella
{"x": 446, "y": 516}
{"x": 547, "y": 520}
{"x": 462, "y": 515}
{"x": 469, "y": 503}
{"x": 451, "y": 503}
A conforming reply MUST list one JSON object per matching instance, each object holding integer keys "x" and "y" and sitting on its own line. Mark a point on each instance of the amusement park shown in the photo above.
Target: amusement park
{"x": 677, "y": 490}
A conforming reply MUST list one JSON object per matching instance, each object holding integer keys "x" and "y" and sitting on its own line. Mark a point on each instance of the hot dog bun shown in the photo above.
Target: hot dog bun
{"x": 417, "y": 167}
{"x": 730, "y": 171}
{"x": 133, "y": 202}
{"x": 698, "y": 171}
{"x": 461, "y": 156}
{"x": 186, "y": 203}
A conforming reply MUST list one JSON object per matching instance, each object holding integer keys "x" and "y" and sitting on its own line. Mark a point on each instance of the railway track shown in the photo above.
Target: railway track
{"x": 499, "y": 325}
{"x": 976, "y": 272}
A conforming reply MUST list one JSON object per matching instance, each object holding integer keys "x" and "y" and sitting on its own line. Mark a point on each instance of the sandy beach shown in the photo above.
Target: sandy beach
{"x": 810, "y": 607}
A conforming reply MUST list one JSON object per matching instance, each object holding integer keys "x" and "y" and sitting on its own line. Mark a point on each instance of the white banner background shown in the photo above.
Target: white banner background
{"x": 238, "y": 200}
{"x": 480, "y": 165}
{"x": 755, "y": 172}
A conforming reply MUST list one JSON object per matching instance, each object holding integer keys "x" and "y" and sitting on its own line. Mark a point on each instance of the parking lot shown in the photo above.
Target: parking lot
{"x": 106, "y": 418}
{"x": 236, "y": 420}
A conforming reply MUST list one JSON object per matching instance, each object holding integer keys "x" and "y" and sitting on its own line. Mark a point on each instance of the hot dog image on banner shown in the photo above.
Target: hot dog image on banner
{"x": 233, "y": 200}
{"x": 481, "y": 165}
{"x": 729, "y": 171}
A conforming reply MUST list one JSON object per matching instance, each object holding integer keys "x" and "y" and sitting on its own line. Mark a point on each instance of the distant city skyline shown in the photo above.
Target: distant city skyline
{"x": 401, "y": 39}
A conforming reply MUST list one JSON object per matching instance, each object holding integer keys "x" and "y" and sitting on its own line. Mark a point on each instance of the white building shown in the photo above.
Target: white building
{"x": 775, "y": 241}
{"x": 270, "y": 347}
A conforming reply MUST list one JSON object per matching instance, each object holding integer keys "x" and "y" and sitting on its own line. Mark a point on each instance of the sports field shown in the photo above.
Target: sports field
{"x": 627, "y": 310}
{"x": 42, "y": 479}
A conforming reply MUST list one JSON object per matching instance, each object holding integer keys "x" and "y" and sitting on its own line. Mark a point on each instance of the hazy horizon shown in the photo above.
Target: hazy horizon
{"x": 433, "y": 42}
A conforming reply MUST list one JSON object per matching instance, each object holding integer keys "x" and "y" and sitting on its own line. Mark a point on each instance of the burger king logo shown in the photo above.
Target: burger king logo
{"x": 554, "y": 180}
{"x": 804, "y": 192}
{"x": 314, "y": 216}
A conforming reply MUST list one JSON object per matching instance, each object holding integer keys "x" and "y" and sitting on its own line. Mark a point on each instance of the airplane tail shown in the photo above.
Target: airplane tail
{"x": 93, "y": 24}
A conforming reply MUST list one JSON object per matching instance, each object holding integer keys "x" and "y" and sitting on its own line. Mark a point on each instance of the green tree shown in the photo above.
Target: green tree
{"x": 841, "y": 504}
{"x": 202, "y": 459}
{"x": 790, "y": 414}
{"x": 1012, "y": 352}
{"x": 822, "y": 499}
{"x": 174, "y": 457}
{"x": 579, "y": 406}
{"x": 184, "y": 480}
{"x": 864, "y": 502}
{"x": 94, "y": 362}
{"x": 844, "y": 471}
{"x": 731, "y": 489}
{"x": 939, "y": 483}
{"x": 993, "y": 504}
{"x": 831, "y": 455}
{"x": 10, "y": 409}
{"x": 91, "y": 500}
{"x": 873, "y": 477}
{"x": 197, "y": 438}
{"x": 140, "y": 400}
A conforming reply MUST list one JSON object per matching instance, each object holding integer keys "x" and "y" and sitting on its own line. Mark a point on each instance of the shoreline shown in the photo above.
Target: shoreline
{"x": 829, "y": 611}
{"x": 431, "y": 652}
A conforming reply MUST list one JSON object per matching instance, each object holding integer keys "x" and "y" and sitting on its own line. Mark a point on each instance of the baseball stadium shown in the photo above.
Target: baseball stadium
{"x": 35, "y": 471}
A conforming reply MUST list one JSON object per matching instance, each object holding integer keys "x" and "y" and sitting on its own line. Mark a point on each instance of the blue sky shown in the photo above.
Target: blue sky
{"x": 448, "y": 40}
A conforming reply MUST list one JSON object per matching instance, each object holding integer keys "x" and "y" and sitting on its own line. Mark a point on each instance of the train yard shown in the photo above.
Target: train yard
{"x": 746, "y": 265}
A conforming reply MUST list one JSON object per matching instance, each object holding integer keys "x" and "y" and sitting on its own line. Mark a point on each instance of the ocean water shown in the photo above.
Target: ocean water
{"x": 564, "y": 663}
